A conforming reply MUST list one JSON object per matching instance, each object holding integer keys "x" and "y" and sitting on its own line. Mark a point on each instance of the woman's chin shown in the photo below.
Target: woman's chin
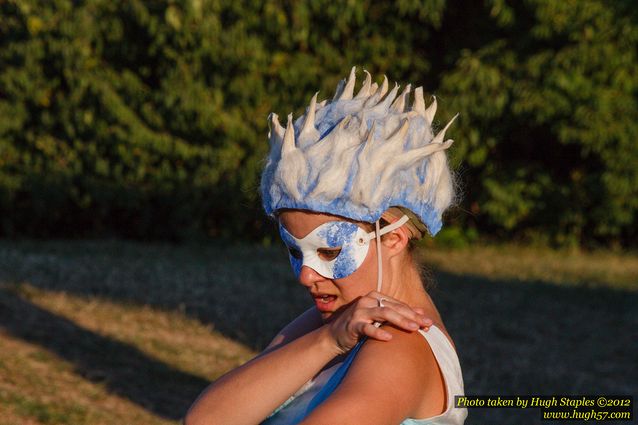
{"x": 327, "y": 316}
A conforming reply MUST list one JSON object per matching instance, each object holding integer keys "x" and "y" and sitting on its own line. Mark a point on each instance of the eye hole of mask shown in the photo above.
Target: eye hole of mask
{"x": 328, "y": 254}
{"x": 295, "y": 253}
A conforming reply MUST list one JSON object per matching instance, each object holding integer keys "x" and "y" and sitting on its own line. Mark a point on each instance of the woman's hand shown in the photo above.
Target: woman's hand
{"x": 358, "y": 320}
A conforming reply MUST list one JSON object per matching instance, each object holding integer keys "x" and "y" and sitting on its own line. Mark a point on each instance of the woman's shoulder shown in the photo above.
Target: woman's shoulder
{"x": 387, "y": 382}
{"x": 409, "y": 364}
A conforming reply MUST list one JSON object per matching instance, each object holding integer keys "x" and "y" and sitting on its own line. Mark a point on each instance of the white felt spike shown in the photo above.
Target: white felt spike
{"x": 419, "y": 104}
{"x": 384, "y": 86}
{"x": 372, "y": 101}
{"x": 383, "y": 106}
{"x": 344, "y": 123}
{"x": 367, "y": 144}
{"x": 336, "y": 174}
{"x": 419, "y": 154}
{"x": 384, "y": 152}
{"x": 276, "y": 133}
{"x": 373, "y": 88}
{"x": 365, "y": 88}
{"x": 340, "y": 86}
{"x": 348, "y": 90}
{"x": 441, "y": 135}
{"x": 289, "y": 138}
{"x": 370, "y": 136}
{"x": 322, "y": 104}
{"x": 308, "y": 128}
{"x": 363, "y": 125}
{"x": 407, "y": 160}
{"x": 400, "y": 133}
{"x": 399, "y": 104}
{"x": 431, "y": 111}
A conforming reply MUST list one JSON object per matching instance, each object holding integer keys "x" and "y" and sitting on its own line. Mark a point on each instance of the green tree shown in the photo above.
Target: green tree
{"x": 550, "y": 105}
{"x": 147, "y": 119}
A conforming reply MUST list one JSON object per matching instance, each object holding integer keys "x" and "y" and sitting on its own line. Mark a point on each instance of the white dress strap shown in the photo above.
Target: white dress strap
{"x": 450, "y": 367}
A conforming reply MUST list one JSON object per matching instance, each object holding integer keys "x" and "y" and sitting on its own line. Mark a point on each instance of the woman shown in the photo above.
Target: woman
{"x": 352, "y": 184}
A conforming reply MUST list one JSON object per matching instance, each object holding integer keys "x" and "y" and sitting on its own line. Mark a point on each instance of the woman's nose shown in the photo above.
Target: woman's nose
{"x": 308, "y": 276}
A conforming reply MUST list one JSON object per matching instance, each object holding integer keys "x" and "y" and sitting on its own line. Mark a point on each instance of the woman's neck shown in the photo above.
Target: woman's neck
{"x": 402, "y": 280}
{"x": 404, "y": 283}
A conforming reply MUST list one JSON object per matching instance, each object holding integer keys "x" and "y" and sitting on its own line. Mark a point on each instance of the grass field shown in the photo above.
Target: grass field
{"x": 110, "y": 332}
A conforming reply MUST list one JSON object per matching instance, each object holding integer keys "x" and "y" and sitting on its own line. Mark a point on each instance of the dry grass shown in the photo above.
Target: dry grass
{"x": 167, "y": 336}
{"x": 38, "y": 387}
{"x": 563, "y": 267}
{"x": 46, "y": 382}
{"x": 121, "y": 333}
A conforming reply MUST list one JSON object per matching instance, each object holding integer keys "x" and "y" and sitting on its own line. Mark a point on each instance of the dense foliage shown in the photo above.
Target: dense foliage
{"x": 148, "y": 118}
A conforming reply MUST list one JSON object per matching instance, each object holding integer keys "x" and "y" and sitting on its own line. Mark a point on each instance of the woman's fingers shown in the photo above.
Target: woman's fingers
{"x": 360, "y": 319}
{"x": 388, "y": 314}
{"x": 419, "y": 310}
{"x": 410, "y": 313}
{"x": 376, "y": 333}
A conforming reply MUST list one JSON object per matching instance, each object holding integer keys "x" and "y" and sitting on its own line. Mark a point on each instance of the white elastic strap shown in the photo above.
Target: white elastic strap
{"x": 379, "y": 264}
{"x": 400, "y": 222}
{"x": 390, "y": 227}
{"x": 378, "y": 232}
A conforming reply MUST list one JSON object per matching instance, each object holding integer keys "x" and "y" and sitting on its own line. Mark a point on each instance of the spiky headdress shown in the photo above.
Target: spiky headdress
{"x": 358, "y": 155}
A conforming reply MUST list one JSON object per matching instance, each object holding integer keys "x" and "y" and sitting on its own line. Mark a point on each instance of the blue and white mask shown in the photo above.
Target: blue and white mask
{"x": 335, "y": 249}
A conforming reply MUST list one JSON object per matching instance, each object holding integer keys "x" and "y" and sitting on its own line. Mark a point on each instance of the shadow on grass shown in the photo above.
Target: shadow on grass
{"x": 123, "y": 369}
{"x": 513, "y": 337}
{"x": 538, "y": 338}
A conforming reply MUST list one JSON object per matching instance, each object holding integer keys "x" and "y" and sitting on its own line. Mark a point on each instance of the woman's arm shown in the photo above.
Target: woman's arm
{"x": 306, "y": 322}
{"x": 248, "y": 394}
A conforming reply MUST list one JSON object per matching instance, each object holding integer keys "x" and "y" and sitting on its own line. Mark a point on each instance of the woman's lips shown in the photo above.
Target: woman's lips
{"x": 325, "y": 303}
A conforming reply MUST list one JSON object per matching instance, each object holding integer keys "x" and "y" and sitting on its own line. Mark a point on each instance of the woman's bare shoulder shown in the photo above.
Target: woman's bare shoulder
{"x": 306, "y": 322}
{"x": 416, "y": 370}
{"x": 388, "y": 381}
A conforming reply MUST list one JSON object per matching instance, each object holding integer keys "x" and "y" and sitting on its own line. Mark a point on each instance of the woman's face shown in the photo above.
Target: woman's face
{"x": 331, "y": 294}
